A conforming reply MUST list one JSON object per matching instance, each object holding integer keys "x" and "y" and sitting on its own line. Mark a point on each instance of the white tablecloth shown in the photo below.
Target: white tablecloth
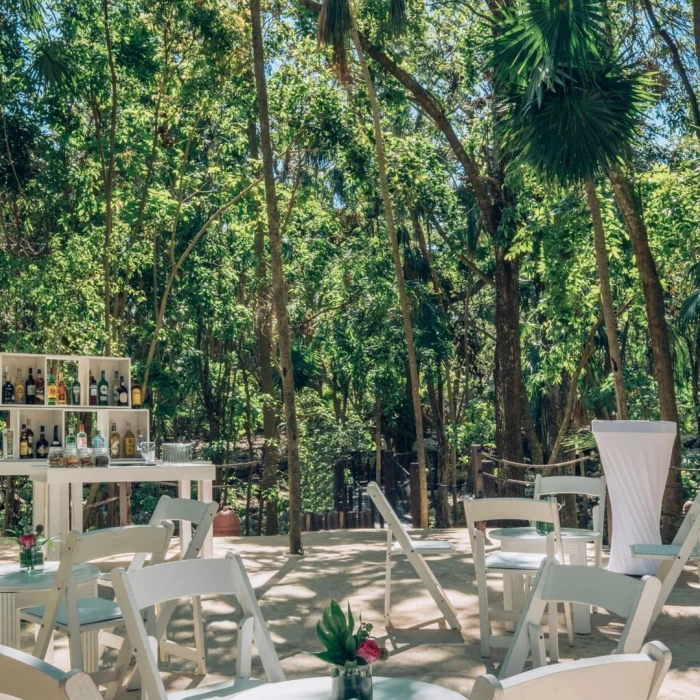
{"x": 636, "y": 456}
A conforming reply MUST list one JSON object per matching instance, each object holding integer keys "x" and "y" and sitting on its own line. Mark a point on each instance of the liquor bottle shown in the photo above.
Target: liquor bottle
{"x": 61, "y": 391}
{"x": 140, "y": 437}
{"x": 75, "y": 392}
{"x": 42, "y": 445}
{"x": 135, "y": 394}
{"x": 51, "y": 390}
{"x": 70, "y": 439}
{"x": 23, "y": 448}
{"x": 93, "y": 390}
{"x": 114, "y": 443}
{"x": 81, "y": 442}
{"x": 30, "y": 389}
{"x": 56, "y": 442}
{"x": 115, "y": 389}
{"x": 40, "y": 397}
{"x": 30, "y": 440}
{"x": 129, "y": 443}
{"x": 98, "y": 442}
{"x": 19, "y": 387}
{"x": 8, "y": 388}
{"x": 8, "y": 449}
{"x": 123, "y": 393}
{"x": 102, "y": 391}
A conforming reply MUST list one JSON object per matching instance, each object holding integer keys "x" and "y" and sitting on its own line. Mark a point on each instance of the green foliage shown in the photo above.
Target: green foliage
{"x": 339, "y": 637}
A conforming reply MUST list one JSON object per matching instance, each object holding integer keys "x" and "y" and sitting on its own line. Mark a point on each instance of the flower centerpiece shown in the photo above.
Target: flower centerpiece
{"x": 31, "y": 542}
{"x": 350, "y": 652}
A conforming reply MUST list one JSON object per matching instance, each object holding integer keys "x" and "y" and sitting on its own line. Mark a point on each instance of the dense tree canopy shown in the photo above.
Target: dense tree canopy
{"x": 533, "y": 150}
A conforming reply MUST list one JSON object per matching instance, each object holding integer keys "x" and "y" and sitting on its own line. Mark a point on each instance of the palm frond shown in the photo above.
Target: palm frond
{"x": 51, "y": 67}
{"x": 334, "y": 25}
{"x": 690, "y": 311}
{"x": 397, "y": 16}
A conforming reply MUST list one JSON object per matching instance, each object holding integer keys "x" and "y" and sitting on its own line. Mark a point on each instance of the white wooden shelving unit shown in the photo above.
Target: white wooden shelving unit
{"x": 50, "y": 416}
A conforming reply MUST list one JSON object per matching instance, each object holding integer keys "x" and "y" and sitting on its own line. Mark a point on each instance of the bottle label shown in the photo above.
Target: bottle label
{"x": 23, "y": 449}
{"x": 31, "y": 390}
{"x": 82, "y": 442}
{"x": 136, "y": 397}
{"x": 123, "y": 398}
{"x": 19, "y": 392}
{"x": 42, "y": 450}
{"x": 114, "y": 447}
{"x": 53, "y": 392}
{"x": 103, "y": 392}
{"x": 129, "y": 447}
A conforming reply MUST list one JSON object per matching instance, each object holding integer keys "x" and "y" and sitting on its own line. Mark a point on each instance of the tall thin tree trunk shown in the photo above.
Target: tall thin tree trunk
{"x": 660, "y": 342}
{"x": 378, "y": 438}
{"x": 267, "y": 388}
{"x": 401, "y": 283}
{"x": 601, "y": 257}
{"x": 279, "y": 285}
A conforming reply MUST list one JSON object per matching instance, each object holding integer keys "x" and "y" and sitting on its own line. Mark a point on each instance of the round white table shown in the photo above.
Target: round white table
{"x": 19, "y": 589}
{"x": 320, "y": 689}
{"x": 527, "y": 539}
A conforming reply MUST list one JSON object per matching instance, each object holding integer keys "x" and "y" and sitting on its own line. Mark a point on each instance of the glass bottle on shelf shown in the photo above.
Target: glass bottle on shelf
{"x": 81, "y": 441}
{"x": 62, "y": 391}
{"x": 30, "y": 440}
{"x": 140, "y": 437}
{"x": 23, "y": 448}
{"x": 135, "y": 393}
{"x": 123, "y": 393}
{"x": 102, "y": 391}
{"x": 42, "y": 445}
{"x": 40, "y": 396}
{"x": 114, "y": 443}
{"x": 75, "y": 392}
{"x": 8, "y": 448}
{"x": 19, "y": 387}
{"x": 30, "y": 389}
{"x": 51, "y": 390}
{"x": 8, "y": 388}
{"x": 56, "y": 442}
{"x": 115, "y": 389}
{"x": 93, "y": 390}
{"x": 98, "y": 442}
{"x": 129, "y": 443}
{"x": 70, "y": 439}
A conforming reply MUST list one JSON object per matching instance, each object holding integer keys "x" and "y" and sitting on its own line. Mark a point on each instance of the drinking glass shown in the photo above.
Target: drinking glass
{"x": 148, "y": 452}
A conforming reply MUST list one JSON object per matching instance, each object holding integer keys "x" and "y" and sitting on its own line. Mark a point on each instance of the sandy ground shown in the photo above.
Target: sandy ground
{"x": 349, "y": 566}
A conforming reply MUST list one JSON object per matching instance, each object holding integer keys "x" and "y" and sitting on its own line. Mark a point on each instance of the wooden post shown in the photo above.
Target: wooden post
{"x": 123, "y": 505}
{"x": 390, "y": 479}
{"x": 477, "y": 473}
{"x": 414, "y": 468}
{"x": 339, "y": 484}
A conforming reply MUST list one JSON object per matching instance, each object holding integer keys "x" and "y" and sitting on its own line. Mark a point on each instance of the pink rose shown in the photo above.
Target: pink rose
{"x": 27, "y": 540}
{"x": 369, "y": 651}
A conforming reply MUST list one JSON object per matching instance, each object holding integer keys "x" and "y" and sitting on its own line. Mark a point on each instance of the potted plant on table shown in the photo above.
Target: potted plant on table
{"x": 350, "y": 653}
{"x": 31, "y": 542}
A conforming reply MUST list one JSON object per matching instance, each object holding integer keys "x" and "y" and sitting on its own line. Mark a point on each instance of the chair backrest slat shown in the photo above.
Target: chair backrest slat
{"x": 585, "y": 485}
{"x": 625, "y": 676}
{"x": 132, "y": 539}
{"x": 25, "y": 677}
{"x": 389, "y": 515}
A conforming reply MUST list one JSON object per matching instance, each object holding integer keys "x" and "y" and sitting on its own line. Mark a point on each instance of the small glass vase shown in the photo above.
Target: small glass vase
{"x": 31, "y": 559}
{"x": 351, "y": 682}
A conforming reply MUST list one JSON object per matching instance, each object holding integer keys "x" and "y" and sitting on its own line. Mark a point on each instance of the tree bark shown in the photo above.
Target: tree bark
{"x": 696, "y": 29}
{"x": 442, "y": 511}
{"x": 267, "y": 389}
{"x": 279, "y": 285}
{"x": 658, "y": 334}
{"x": 401, "y": 284}
{"x": 601, "y": 257}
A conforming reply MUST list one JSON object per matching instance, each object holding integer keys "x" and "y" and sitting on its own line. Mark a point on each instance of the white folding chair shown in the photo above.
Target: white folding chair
{"x": 85, "y": 617}
{"x": 516, "y": 565}
{"x": 152, "y": 585}
{"x": 621, "y": 677}
{"x": 579, "y": 485}
{"x": 630, "y": 598}
{"x": 414, "y": 550}
{"x": 201, "y": 516}
{"x": 25, "y": 677}
{"x": 673, "y": 557}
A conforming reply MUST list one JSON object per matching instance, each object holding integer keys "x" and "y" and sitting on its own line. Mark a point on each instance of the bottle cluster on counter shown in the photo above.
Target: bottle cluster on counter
{"x": 57, "y": 392}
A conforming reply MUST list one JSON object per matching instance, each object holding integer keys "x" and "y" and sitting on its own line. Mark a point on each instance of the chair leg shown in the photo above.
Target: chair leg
{"x": 484, "y": 621}
{"x": 387, "y": 589}
{"x": 91, "y": 656}
{"x": 553, "y": 629}
{"x": 120, "y": 670}
{"x": 199, "y": 635}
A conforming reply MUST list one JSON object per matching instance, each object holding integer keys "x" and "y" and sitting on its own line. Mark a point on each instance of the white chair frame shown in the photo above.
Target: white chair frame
{"x": 82, "y": 547}
{"x": 414, "y": 551}
{"x": 619, "y": 677}
{"x": 25, "y": 677}
{"x": 480, "y": 511}
{"x": 579, "y": 485}
{"x": 201, "y": 516}
{"x": 627, "y": 597}
{"x": 153, "y": 585}
{"x": 673, "y": 557}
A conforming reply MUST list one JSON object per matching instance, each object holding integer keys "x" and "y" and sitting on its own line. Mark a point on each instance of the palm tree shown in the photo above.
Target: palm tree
{"x": 335, "y": 24}
{"x": 574, "y": 108}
